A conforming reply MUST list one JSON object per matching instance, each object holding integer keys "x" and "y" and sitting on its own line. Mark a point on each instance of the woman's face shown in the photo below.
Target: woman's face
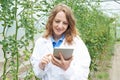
{"x": 60, "y": 24}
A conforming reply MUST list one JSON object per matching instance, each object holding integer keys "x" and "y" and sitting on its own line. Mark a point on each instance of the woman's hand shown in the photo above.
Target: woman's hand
{"x": 45, "y": 60}
{"x": 62, "y": 63}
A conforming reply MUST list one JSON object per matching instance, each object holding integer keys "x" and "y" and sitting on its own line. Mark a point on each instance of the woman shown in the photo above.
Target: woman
{"x": 60, "y": 32}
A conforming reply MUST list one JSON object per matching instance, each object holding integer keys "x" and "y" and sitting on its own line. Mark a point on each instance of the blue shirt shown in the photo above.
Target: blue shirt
{"x": 57, "y": 43}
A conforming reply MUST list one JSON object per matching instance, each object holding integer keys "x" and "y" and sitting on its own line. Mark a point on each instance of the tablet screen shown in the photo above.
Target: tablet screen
{"x": 66, "y": 52}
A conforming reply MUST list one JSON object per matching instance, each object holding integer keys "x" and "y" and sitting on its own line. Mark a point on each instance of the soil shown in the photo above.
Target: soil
{"x": 115, "y": 70}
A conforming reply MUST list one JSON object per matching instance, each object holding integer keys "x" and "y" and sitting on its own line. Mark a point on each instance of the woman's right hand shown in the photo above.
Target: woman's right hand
{"x": 45, "y": 60}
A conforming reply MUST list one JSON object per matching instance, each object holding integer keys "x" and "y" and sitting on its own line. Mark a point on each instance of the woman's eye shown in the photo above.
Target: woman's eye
{"x": 57, "y": 21}
{"x": 65, "y": 23}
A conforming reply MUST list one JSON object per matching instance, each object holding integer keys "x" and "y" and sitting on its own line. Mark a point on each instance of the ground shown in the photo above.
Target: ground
{"x": 115, "y": 70}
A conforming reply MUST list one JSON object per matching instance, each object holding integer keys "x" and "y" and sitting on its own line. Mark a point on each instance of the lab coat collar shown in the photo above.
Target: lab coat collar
{"x": 49, "y": 44}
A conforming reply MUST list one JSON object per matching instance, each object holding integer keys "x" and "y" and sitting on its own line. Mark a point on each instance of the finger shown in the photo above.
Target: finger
{"x": 61, "y": 56}
{"x": 46, "y": 60}
{"x": 43, "y": 62}
{"x": 55, "y": 63}
{"x": 48, "y": 55}
{"x": 69, "y": 60}
{"x": 55, "y": 59}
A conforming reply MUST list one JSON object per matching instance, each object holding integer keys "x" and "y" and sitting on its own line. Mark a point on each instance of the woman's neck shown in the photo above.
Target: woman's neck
{"x": 56, "y": 37}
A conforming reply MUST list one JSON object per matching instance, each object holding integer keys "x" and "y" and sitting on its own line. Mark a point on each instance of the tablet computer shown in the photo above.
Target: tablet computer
{"x": 66, "y": 52}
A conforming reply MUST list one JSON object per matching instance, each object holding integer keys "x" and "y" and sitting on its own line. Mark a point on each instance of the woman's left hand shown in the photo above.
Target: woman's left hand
{"x": 62, "y": 63}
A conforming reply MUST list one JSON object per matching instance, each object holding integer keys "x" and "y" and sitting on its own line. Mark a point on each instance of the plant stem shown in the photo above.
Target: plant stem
{"x": 16, "y": 32}
{"x": 5, "y": 57}
{"x": 5, "y": 64}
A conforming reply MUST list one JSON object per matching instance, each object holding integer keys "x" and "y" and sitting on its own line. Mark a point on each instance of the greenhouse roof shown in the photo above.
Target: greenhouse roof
{"x": 111, "y": 7}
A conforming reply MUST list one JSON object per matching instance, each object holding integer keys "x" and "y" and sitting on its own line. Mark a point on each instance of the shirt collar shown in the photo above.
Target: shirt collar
{"x": 61, "y": 39}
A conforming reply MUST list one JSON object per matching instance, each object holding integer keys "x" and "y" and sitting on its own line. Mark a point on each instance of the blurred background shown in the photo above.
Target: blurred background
{"x": 23, "y": 21}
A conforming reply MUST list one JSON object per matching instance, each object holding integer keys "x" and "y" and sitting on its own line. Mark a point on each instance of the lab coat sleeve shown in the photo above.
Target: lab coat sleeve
{"x": 35, "y": 59}
{"x": 79, "y": 68}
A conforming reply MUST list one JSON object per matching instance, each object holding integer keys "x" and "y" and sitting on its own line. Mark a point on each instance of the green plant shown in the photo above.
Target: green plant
{"x": 95, "y": 27}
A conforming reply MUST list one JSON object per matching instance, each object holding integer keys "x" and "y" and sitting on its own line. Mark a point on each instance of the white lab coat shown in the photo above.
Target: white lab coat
{"x": 79, "y": 67}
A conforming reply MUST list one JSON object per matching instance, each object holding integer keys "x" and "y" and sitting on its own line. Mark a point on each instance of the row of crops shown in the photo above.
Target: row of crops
{"x": 29, "y": 16}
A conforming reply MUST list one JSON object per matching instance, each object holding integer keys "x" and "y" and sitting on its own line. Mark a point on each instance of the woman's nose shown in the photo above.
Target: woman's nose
{"x": 60, "y": 24}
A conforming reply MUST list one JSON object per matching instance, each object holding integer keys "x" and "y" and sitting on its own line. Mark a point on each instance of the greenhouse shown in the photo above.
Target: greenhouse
{"x": 22, "y": 22}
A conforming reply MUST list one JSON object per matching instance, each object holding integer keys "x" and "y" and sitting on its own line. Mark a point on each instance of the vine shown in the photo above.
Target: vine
{"x": 28, "y": 16}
